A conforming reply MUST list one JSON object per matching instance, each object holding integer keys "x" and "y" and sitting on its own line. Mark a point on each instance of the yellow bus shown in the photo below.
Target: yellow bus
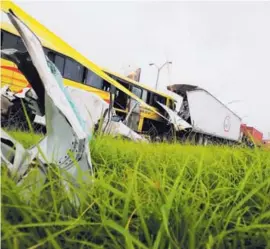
{"x": 76, "y": 69}
{"x": 147, "y": 118}
{"x": 79, "y": 72}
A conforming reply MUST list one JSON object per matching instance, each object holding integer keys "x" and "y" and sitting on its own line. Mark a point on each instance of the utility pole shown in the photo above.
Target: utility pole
{"x": 159, "y": 69}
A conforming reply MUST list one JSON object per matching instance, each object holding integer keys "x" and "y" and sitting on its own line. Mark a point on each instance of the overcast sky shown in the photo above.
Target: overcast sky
{"x": 223, "y": 47}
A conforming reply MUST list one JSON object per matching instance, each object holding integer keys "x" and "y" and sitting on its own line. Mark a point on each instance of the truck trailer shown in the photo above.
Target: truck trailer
{"x": 211, "y": 121}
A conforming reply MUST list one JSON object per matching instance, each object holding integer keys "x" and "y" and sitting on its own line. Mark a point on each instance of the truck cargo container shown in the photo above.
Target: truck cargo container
{"x": 211, "y": 120}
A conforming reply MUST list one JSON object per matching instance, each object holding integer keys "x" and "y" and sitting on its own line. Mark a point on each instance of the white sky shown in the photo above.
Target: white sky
{"x": 223, "y": 47}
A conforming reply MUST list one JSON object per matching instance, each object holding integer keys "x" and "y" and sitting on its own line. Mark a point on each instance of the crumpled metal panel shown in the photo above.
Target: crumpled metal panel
{"x": 66, "y": 142}
{"x": 119, "y": 128}
{"x": 15, "y": 156}
{"x": 175, "y": 119}
{"x": 6, "y": 102}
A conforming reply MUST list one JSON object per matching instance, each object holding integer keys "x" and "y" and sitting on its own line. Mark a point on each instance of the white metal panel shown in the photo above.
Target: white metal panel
{"x": 208, "y": 115}
{"x": 65, "y": 133}
{"x": 177, "y": 121}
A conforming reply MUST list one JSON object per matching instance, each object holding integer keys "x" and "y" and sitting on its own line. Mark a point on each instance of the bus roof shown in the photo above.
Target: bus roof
{"x": 144, "y": 86}
{"x": 43, "y": 33}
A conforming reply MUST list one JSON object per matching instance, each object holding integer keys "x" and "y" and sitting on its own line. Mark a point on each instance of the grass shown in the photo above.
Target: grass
{"x": 146, "y": 196}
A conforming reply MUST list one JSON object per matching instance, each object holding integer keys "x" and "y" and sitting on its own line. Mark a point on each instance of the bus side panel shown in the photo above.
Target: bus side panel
{"x": 149, "y": 114}
{"x": 104, "y": 95}
{"x": 11, "y": 76}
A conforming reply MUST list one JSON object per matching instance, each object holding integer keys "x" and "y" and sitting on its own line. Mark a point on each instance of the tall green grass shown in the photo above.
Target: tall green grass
{"x": 146, "y": 196}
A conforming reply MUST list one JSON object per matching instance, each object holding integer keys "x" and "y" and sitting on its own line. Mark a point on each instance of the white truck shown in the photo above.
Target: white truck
{"x": 211, "y": 120}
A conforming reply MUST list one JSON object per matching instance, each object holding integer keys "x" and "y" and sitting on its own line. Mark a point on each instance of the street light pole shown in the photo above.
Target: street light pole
{"x": 159, "y": 69}
{"x": 157, "y": 78}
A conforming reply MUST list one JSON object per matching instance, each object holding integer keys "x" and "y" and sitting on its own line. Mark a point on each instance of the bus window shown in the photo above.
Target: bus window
{"x": 162, "y": 100}
{"x": 73, "y": 70}
{"x": 57, "y": 59}
{"x": 137, "y": 91}
{"x": 106, "y": 86}
{"x": 11, "y": 41}
{"x": 172, "y": 104}
{"x": 51, "y": 55}
{"x": 93, "y": 80}
{"x": 145, "y": 95}
{"x": 20, "y": 45}
{"x": 149, "y": 98}
{"x": 124, "y": 83}
{"x": 2, "y": 37}
{"x": 120, "y": 100}
{"x": 158, "y": 98}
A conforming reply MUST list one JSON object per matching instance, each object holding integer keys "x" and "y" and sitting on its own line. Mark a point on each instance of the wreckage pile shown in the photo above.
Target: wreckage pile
{"x": 70, "y": 115}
